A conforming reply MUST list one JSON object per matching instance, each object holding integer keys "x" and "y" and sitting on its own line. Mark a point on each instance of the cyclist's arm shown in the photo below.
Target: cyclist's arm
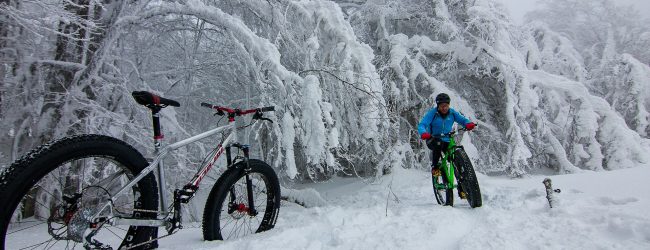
{"x": 460, "y": 119}
{"x": 426, "y": 121}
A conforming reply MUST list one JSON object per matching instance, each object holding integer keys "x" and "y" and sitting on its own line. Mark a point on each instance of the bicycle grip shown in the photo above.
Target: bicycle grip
{"x": 266, "y": 109}
{"x": 203, "y": 104}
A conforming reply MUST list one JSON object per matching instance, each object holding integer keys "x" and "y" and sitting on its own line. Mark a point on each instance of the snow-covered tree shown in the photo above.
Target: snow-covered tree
{"x": 594, "y": 26}
{"x": 349, "y": 79}
{"x": 614, "y": 41}
{"x": 484, "y": 62}
{"x": 230, "y": 54}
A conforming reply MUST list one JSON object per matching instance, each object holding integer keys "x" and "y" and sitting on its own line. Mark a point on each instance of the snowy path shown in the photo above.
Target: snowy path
{"x": 595, "y": 211}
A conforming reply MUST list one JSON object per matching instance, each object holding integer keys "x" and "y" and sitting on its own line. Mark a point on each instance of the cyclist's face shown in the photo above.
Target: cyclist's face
{"x": 443, "y": 108}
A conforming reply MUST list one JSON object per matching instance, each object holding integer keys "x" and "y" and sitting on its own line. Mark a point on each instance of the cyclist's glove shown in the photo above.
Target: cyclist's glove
{"x": 470, "y": 126}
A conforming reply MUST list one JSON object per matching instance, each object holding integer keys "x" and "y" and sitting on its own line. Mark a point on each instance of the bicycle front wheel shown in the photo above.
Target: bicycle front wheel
{"x": 468, "y": 180}
{"x": 229, "y": 212}
{"x": 444, "y": 196}
{"x": 52, "y": 194}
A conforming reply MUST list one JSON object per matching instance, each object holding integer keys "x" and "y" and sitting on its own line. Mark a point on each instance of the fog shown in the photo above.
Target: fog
{"x": 519, "y": 8}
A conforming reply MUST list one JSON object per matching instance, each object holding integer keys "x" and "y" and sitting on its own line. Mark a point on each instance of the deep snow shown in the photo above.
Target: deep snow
{"x": 595, "y": 210}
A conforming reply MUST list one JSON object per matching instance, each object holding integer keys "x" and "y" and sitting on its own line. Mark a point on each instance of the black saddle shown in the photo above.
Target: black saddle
{"x": 148, "y": 99}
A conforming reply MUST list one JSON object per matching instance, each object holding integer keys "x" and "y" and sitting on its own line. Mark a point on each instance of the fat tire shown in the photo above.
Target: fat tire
{"x": 468, "y": 180}
{"x": 219, "y": 192}
{"x": 20, "y": 176}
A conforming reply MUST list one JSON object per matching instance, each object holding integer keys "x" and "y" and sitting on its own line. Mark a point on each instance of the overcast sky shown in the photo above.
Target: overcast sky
{"x": 518, "y": 8}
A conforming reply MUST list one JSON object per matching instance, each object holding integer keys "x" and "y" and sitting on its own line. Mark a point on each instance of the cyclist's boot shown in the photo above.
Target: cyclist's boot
{"x": 435, "y": 170}
{"x": 462, "y": 193}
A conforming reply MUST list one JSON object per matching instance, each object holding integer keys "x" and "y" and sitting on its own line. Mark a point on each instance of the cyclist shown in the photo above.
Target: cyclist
{"x": 439, "y": 120}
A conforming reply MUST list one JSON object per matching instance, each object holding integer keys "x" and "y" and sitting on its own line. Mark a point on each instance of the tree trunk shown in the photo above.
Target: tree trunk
{"x": 86, "y": 46}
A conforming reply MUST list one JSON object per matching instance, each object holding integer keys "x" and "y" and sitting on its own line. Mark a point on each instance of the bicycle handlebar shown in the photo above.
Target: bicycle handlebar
{"x": 451, "y": 133}
{"x": 266, "y": 109}
{"x": 237, "y": 112}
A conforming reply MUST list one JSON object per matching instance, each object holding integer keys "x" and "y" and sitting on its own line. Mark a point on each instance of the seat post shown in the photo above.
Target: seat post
{"x": 157, "y": 133}
{"x": 157, "y": 138}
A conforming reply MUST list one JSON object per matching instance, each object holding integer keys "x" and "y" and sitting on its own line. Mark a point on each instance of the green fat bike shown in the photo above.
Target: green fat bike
{"x": 456, "y": 165}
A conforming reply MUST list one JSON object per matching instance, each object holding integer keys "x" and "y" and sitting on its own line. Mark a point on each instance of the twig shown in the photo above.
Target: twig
{"x": 337, "y": 77}
{"x": 390, "y": 191}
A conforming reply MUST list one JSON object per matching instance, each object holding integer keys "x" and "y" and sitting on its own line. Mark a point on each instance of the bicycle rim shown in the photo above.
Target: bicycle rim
{"x": 235, "y": 219}
{"x": 443, "y": 196}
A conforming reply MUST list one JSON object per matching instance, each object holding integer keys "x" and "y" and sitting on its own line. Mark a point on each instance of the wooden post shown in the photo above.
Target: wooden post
{"x": 549, "y": 192}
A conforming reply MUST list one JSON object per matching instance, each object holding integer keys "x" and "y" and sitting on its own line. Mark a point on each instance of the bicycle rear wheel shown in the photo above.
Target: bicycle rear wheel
{"x": 51, "y": 194}
{"x": 468, "y": 180}
{"x": 228, "y": 212}
{"x": 444, "y": 196}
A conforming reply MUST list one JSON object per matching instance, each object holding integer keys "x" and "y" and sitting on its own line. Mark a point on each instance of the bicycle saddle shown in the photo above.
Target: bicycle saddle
{"x": 145, "y": 98}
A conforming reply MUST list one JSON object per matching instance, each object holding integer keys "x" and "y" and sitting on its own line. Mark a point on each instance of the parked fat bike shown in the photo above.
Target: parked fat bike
{"x": 456, "y": 165}
{"x": 98, "y": 192}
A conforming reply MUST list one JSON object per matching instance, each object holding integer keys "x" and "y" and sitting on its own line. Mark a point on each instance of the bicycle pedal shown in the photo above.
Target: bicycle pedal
{"x": 185, "y": 195}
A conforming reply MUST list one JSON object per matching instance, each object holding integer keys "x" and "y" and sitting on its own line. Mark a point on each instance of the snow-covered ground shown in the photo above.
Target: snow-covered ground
{"x": 595, "y": 210}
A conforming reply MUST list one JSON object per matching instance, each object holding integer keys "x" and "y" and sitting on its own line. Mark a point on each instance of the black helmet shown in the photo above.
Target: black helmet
{"x": 443, "y": 98}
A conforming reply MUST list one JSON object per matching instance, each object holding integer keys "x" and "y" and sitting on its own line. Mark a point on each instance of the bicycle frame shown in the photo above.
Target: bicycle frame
{"x": 447, "y": 163}
{"x": 157, "y": 164}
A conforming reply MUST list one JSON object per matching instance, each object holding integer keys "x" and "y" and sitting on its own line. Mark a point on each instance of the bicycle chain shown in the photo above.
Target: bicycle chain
{"x": 146, "y": 210}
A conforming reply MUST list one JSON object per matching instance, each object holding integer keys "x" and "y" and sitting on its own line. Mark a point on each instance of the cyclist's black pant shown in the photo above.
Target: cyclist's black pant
{"x": 436, "y": 146}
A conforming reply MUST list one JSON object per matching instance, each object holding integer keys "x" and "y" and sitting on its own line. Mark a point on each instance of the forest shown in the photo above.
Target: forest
{"x": 567, "y": 91}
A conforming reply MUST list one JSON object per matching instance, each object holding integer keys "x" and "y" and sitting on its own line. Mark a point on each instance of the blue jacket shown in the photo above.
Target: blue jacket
{"x": 435, "y": 124}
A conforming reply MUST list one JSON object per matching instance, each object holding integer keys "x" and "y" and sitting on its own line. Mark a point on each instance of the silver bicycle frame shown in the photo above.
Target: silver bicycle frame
{"x": 157, "y": 164}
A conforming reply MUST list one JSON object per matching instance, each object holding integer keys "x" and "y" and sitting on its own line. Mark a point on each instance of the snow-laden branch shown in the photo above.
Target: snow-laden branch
{"x": 261, "y": 48}
{"x": 62, "y": 64}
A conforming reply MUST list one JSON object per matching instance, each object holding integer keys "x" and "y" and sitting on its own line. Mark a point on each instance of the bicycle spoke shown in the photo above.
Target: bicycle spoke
{"x": 240, "y": 226}
{"x": 27, "y": 228}
{"x": 230, "y": 233}
{"x": 80, "y": 185}
{"x": 36, "y": 245}
{"x": 45, "y": 190}
{"x": 249, "y": 220}
{"x": 53, "y": 243}
{"x": 234, "y": 230}
{"x": 123, "y": 206}
{"x": 61, "y": 184}
{"x": 106, "y": 182}
{"x": 116, "y": 235}
{"x": 226, "y": 224}
{"x": 37, "y": 202}
{"x": 116, "y": 227}
{"x": 249, "y": 225}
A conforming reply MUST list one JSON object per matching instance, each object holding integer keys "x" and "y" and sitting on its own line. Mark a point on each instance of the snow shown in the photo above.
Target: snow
{"x": 312, "y": 118}
{"x": 595, "y": 210}
{"x": 287, "y": 144}
{"x": 347, "y": 86}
